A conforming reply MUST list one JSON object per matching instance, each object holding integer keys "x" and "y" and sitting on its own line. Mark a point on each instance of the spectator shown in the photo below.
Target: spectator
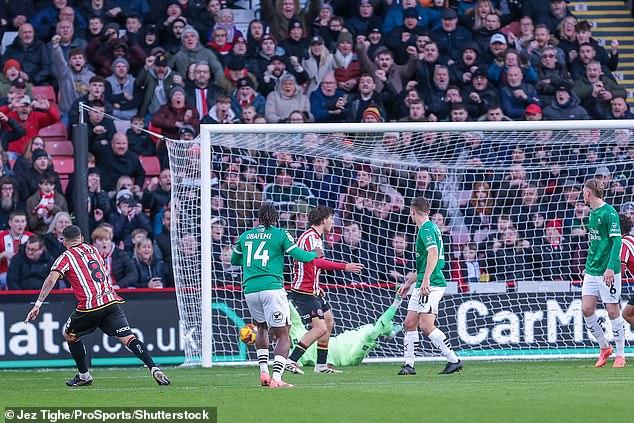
{"x": 399, "y": 258}
{"x": 564, "y": 106}
{"x": 127, "y": 217}
{"x": 28, "y": 182}
{"x": 13, "y": 77}
{"x": 10, "y": 241}
{"x": 478, "y": 215}
{"x": 10, "y": 130}
{"x": 139, "y": 140}
{"x": 557, "y": 12}
{"x": 9, "y": 201}
{"x": 156, "y": 80}
{"x": 245, "y": 94}
{"x": 451, "y": 37}
{"x": 172, "y": 116}
{"x": 584, "y": 35}
{"x": 319, "y": 63}
{"x": 73, "y": 76}
{"x": 224, "y": 271}
{"x": 280, "y": 14}
{"x": 366, "y": 97}
{"x": 285, "y": 192}
{"x": 163, "y": 242}
{"x": 324, "y": 182}
{"x": 533, "y": 112}
{"x": 117, "y": 160}
{"x": 99, "y": 207}
{"x": 619, "y": 109}
{"x": 121, "y": 91}
{"x": 30, "y": 266}
{"x": 148, "y": 266}
{"x": 103, "y": 50}
{"x": 551, "y": 74}
{"x": 32, "y": 116}
{"x": 202, "y": 93}
{"x": 587, "y": 53}
{"x": 469, "y": 267}
{"x": 96, "y": 90}
{"x": 384, "y": 69}
{"x": 542, "y": 40}
{"x": 497, "y": 47}
{"x": 219, "y": 44}
{"x": 44, "y": 20}
{"x": 65, "y": 38}
{"x": 552, "y": 259}
{"x": 354, "y": 248}
{"x": 243, "y": 197}
{"x": 327, "y": 104}
{"x": 119, "y": 265}
{"x": 517, "y": 95}
{"x": 273, "y": 70}
{"x": 478, "y": 95}
{"x": 403, "y": 36}
{"x": 100, "y": 128}
{"x": 361, "y": 188}
{"x": 32, "y": 55}
{"x": 15, "y": 14}
{"x": 53, "y": 239}
{"x": 509, "y": 255}
{"x": 596, "y": 90}
{"x": 295, "y": 43}
{"x": 221, "y": 112}
{"x": 192, "y": 51}
{"x": 286, "y": 98}
{"x": 45, "y": 204}
{"x": 364, "y": 18}
{"x": 157, "y": 194}
{"x": 347, "y": 67}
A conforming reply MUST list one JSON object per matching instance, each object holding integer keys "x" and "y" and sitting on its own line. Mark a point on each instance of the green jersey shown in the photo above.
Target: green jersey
{"x": 429, "y": 236}
{"x": 260, "y": 252}
{"x": 605, "y": 241}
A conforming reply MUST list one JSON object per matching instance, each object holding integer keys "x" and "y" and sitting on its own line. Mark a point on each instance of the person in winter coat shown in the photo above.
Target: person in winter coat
{"x": 149, "y": 267}
{"x": 30, "y": 266}
{"x": 286, "y": 97}
{"x": 176, "y": 113}
{"x": 119, "y": 265}
{"x": 32, "y": 55}
{"x": 192, "y": 51}
{"x": 156, "y": 81}
{"x": 565, "y": 106}
{"x": 73, "y": 77}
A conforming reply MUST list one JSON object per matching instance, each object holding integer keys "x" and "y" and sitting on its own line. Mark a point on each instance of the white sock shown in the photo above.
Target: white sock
{"x": 618, "y": 330}
{"x": 278, "y": 367}
{"x": 263, "y": 359}
{"x": 84, "y": 376}
{"x": 410, "y": 339}
{"x": 592, "y": 323}
{"x": 441, "y": 342}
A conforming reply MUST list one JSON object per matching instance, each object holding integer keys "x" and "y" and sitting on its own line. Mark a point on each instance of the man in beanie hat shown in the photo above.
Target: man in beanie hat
{"x": 176, "y": 113}
{"x": 121, "y": 90}
{"x": 366, "y": 97}
{"x": 296, "y": 44}
{"x": 193, "y": 51}
{"x": 11, "y": 71}
{"x": 565, "y": 106}
{"x": 245, "y": 94}
{"x": 347, "y": 67}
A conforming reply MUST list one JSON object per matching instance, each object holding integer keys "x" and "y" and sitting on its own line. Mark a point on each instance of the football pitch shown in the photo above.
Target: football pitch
{"x": 542, "y": 391}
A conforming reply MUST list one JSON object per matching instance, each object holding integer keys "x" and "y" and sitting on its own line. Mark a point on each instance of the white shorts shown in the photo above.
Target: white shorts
{"x": 428, "y": 304}
{"x": 269, "y": 306}
{"x": 594, "y": 285}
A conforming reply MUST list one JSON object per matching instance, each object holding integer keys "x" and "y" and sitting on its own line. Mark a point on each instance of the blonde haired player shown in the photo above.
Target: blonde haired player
{"x": 602, "y": 277}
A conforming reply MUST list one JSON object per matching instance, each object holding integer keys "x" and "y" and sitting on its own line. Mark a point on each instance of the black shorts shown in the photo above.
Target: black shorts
{"x": 109, "y": 319}
{"x": 309, "y": 306}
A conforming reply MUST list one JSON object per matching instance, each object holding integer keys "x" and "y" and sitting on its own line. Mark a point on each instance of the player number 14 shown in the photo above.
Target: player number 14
{"x": 260, "y": 253}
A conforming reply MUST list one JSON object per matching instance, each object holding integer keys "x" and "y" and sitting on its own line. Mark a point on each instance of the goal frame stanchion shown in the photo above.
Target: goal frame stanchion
{"x": 208, "y": 131}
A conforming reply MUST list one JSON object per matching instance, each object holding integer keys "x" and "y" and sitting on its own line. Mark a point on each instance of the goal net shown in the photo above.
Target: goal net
{"x": 507, "y": 197}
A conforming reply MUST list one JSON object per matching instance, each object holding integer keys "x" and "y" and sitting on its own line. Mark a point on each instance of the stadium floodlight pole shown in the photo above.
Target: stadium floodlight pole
{"x": 205, "y": 248}
{"x": 80, "y": 189}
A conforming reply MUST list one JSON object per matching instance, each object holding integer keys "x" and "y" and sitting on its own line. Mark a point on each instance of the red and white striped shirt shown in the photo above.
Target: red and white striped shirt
{"x": 627, "y": 254}
{"x": 306, "y": 275}
{"x": 84, "y": 268}
{"x": 11, "y": 244}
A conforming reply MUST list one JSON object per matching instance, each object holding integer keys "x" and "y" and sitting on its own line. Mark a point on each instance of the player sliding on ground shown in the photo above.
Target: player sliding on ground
{"x": 627, "y": 263}
{"x": 603, "y": 272}
{"x": 98, "y": 306}
{"x": 260, "y": 252}
{"x": 430, "y": 286}
{"x": 308, "y": 297}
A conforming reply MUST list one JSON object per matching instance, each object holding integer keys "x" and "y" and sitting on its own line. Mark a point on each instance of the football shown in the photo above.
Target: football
{"x": 248, "y": 333}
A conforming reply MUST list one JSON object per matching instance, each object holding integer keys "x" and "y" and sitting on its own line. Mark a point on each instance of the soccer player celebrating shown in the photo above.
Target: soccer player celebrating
{"x": 98, "y": 305}
{"x": 307, "y": 296}
{"x": 430, "y": 286}
{"x": 260, "y": 252}
{"x": 627, "y": 263}
{"x": 603, "y": 272}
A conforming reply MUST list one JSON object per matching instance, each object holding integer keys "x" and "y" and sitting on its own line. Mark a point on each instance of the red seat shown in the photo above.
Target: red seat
{"x": 63, "y": 165}
{"x": 54, "y": 132}
{"x": 44, "y": 91}
{"x": 151, "y": 165}
{"x": 59, "y": 148}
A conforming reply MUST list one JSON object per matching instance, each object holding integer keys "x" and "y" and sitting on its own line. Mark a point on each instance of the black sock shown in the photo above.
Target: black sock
{"x": 78, "y": 352}
{"x": 138, "y": 348}
{"x": 322, "y": 353}
{"x": 298, "y": 352}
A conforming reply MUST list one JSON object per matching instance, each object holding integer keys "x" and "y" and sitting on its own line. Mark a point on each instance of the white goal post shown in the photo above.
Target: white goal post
{"x": 522, "y": 301}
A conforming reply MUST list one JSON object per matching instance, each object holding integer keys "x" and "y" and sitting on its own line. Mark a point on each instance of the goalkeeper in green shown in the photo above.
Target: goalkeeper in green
{"x": 602, "y": 277}
{"x": 430, "y": 287}
{"x": 260, "y": 252}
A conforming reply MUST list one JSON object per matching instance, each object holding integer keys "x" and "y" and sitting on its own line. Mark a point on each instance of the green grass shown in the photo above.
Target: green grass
{"x": 544, "y": 391}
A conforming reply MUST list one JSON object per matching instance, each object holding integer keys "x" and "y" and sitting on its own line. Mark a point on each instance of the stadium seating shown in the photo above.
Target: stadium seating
{"x": 54, "y": 132}
{"x": 46, "y": 91}
{"x": 59, "y": 148}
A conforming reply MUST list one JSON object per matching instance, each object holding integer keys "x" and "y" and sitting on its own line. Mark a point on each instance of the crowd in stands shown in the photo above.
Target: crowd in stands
{"x": 170, "y": 65}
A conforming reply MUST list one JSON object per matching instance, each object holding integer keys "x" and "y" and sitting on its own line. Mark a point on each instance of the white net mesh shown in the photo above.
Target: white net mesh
{"x": 509, "y": 205}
